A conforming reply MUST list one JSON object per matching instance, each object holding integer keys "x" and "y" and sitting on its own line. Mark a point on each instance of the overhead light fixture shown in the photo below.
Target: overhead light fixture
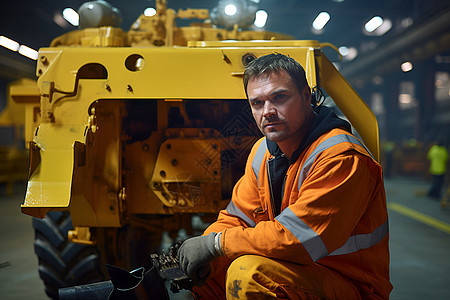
{"x": 343, "y": 50}
{"x": 71, "y": 16}
{"x": 230, "y": 10}
{"x": 405, "y": 98}
{"x": 348, "y": 53}
{"x": 377, "y": 26}
{"x": 406, "y": 66}
{"x": 321, "y": 20}
{"x": 385, "y": 27}
{"x": 261, "y": 18}
{"x": 8, "y": 43}
{"x": 28, "y": 52}
{"x": 373, "y": 23}
{"x": 60, "y": 21}
{"x": 149, "y": 12}
{"x": 15, "y": 46}
{"x": 406, "y": 22}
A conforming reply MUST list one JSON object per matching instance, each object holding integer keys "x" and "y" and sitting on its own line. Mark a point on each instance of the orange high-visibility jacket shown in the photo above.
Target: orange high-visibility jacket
{"x": 333, "y": 212}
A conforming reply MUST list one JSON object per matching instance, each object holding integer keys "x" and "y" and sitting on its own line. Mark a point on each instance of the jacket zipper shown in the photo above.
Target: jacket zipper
{"x": 283, "y": 186}
{"x": 270, "y": 188}
{"x": 282, "y": 192}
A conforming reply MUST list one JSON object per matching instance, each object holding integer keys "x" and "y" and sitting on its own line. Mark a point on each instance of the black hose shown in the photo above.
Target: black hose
{"x": 98, "y": 290}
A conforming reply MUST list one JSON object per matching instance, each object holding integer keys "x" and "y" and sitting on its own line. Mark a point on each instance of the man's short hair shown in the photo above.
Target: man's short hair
{"x": 274, "y": 63}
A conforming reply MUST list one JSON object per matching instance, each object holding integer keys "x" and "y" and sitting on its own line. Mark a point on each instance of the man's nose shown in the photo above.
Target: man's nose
{"x": 269, "y": 109}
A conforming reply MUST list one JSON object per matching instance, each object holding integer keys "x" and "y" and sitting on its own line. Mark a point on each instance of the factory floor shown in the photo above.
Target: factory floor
{"x": 419, "y": 244}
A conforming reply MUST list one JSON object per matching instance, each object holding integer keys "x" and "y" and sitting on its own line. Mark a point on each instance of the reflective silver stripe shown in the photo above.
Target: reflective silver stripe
{"x": 363, "y": 241}
{"x": 308, "y": 237}
{"x": 328, "y": 143}
{"x": 232, "y": 209}
{"x": 314, "y": 244}
{"x": 259, "y": 156}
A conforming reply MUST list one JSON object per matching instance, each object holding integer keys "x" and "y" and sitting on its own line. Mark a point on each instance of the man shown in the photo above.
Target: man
{"x": 308, "y": 219}
{"x": 437, "y": 155}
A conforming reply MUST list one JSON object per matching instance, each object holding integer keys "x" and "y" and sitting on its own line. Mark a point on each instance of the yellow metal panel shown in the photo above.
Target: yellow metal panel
{"x": 50, "y": 184}
{"x": 253, "y": 44}
{"x": 19, "y": 92}
{"x": 349, "y": 102}
{"x": 175, "y": 72}
{"x": 310, "y": 67}
{"x": 193, "y": 165}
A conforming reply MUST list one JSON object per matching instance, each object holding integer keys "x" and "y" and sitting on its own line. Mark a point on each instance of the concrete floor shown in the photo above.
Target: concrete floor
{"x": 419, "y": 230}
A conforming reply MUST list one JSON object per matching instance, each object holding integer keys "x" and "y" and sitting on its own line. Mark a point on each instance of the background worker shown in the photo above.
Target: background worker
{"x": 308, "y": 218}
{"x": 438, "y": 156}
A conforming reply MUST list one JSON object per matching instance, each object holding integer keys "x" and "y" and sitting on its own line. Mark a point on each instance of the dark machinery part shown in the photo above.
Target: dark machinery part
{"x": 98, "y": 290}
{"x": 161, "y": 267}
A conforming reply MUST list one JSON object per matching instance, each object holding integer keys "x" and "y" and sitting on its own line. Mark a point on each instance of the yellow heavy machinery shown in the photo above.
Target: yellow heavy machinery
{"x": 145, "y": 132}
{"x": 13, "y": 155}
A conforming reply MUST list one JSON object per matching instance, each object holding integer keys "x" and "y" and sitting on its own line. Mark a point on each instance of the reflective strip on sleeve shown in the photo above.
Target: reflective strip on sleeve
{"x": 314, "y": 244}
{"x": 363, "y": 241}
{"x": 259, "y": 156}
{"x": 328, "y": 143}
{"x": 232, "y": 209}
{"x": 308, "y": 237}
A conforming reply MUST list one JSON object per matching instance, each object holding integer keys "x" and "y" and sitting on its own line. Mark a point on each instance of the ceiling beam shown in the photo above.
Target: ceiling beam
{"x": 416, "y": 44}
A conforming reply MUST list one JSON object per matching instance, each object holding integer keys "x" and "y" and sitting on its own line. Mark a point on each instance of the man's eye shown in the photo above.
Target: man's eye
{"x": 279, "y": 97}
{"x": 257, "y": 103}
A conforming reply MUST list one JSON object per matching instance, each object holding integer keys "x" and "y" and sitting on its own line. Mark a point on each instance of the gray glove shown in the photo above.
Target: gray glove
{"x": 195, "y": 254}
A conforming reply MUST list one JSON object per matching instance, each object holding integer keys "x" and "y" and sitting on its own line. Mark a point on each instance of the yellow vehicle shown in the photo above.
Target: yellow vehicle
{"x": 141, "y": 133}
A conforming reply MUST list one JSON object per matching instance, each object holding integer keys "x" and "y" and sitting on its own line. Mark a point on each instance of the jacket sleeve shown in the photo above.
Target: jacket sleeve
{"x": 319, "y": 219}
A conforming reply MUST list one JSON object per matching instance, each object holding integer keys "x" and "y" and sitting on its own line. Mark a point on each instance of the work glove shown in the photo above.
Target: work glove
{"x": 195, "y": 255}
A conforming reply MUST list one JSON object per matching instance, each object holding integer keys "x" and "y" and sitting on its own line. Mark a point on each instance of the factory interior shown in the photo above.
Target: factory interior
{"x": 395, "y": 54}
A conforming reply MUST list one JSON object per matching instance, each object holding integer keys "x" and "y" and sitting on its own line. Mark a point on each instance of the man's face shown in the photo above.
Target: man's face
{"x": 281, "y": 112}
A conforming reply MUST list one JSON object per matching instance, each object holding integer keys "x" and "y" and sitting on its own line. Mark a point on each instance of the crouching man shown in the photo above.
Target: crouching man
{"x": 308, "y": 219}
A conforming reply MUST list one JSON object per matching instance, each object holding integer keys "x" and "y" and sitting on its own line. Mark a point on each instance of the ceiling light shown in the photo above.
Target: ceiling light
{"x": 406, "y": 66}
{"x": 8, "y": 43}
{"x": 343, "y": 50}
{"x": 149, "y": 12}
{"x": 405, "y": 23}
{"x": 373, "y": 23}
{"x": 405, "y": 98}
{"x": 383, "y": 28}
{"x": 71, "y": 16}
{"x": 321, "y": 20}
{"x": 351, "y": 55}
{"x": 230, "y": 10}
{"x": 59, "y": 19}
{"x": 261, "y": 18}
{"x": 28, "y": 52}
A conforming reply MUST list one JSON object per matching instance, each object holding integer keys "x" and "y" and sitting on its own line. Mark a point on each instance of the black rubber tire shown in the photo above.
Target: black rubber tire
{"x": 62, "y": 263}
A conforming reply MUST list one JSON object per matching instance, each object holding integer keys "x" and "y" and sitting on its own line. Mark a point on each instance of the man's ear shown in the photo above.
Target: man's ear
{"x": 308, "y": 96}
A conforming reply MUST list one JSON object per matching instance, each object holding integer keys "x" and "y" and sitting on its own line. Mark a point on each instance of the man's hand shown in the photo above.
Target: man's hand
{"x": 195, "y": 254}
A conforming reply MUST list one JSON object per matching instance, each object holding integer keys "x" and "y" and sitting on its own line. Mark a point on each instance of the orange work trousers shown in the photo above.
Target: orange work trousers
{"x": 257, "y": 277}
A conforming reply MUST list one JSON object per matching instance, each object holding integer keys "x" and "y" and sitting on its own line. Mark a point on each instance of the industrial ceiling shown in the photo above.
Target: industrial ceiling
{"x": 32, "y": 23}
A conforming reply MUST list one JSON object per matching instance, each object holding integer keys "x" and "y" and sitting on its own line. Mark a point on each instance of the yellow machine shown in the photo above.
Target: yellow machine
{"x": 13, "y": 156}
{"x": 137, "y": 132}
